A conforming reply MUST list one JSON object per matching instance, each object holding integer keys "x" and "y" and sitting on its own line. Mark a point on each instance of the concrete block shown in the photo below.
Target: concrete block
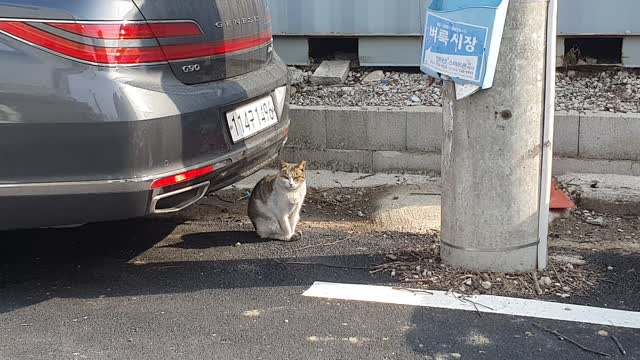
{"x": 393, "y": 161}
{"x": 332, "y": 72}
{"x": 567, "y": 126}
{"x": 635, "y": 169}
{"x": 408, "y": 209}
{"x": 571, "y": 165}
{"x": 386, "y": 130}
{"x": 347, "y": 129}
{"x": 308, "y": 127}
{"x": 331, "y": 159}
{"x": 610, "y": 136}
{"x": 424, "y": 129}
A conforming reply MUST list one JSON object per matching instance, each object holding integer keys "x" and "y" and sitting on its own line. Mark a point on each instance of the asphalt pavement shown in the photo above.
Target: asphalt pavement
{"x": 170, "y": 288}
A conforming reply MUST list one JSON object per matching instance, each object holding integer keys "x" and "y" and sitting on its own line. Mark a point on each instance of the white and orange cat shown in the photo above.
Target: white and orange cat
{"x": 276, "y": 201}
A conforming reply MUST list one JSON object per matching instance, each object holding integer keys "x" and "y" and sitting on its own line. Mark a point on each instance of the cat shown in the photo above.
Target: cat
{"x": 276, "y": 201}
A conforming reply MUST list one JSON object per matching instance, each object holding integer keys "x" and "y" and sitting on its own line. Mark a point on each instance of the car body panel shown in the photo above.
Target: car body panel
{"x": 74, "y": 134}
{"x": 90, "y": 10}
{"x": 219, "y": 20}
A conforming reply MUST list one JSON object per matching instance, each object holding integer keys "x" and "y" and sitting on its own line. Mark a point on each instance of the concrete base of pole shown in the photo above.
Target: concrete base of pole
{"x": 491, "y": 163}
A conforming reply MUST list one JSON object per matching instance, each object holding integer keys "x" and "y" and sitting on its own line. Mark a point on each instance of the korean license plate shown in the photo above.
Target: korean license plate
{"x": 252, "y": 118}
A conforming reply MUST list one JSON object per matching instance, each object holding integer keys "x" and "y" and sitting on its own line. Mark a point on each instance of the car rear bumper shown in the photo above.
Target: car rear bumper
{"x": 56, "y": 204}
{"x": 99, "y": 164}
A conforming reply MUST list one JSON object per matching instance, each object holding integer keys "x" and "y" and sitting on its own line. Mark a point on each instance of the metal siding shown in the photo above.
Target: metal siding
{"x": 405, "y": 18}
{"x": 292, "y": 50}
{"x": 347, "y": 17}
{"x": 385, "y": 51}
{"x": 631, "y": 51}
{"x": 598, "y": 17}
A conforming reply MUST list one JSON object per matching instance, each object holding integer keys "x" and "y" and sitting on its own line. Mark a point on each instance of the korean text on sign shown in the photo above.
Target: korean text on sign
{"x": 454, "y": 49}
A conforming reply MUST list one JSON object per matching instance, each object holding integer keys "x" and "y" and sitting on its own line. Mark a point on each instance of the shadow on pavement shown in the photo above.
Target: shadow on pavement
{"x": 95, "y": 261}
{"x": 123, "y": 239}
{"x": 42, "y": 260}
{"x": 207, "y": 240}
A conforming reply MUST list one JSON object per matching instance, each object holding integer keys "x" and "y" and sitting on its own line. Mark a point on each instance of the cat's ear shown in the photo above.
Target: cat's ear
{"x": 283, "y": 165}
{"x": 302, "y": 166}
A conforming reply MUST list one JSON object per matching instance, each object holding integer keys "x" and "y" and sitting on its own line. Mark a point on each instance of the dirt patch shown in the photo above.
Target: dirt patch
{"x": 336, "y": 208}
{"x": 572, "y": 240}
{"x": 594, "y": 232}
{"x": 422, "y": 267}
{"x": 350, "y": 209}
{"x": 342, "y": 204}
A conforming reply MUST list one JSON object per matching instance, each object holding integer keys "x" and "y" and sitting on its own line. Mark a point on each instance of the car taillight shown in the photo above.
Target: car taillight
{"x": 211, "y": 48}
{"x": 127, "y": 54}
{"x": 181, "y": 177}
{"x": 131, "y": 31}
{"x": 89, "y": 53}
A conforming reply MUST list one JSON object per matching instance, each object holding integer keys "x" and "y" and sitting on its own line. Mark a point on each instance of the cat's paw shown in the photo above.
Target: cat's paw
{"x": 297, "y": 236}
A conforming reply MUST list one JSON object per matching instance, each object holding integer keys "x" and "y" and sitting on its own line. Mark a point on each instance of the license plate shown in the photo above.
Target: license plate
{"x": 252, "y": 118}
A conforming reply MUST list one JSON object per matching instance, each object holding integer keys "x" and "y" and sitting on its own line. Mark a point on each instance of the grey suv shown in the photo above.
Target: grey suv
{"x": 112, "y": 109}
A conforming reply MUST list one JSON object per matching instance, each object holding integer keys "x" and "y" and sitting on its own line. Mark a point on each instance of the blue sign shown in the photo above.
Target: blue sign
{"x": 455, "y": 49}
{"x": 462, "y": 40}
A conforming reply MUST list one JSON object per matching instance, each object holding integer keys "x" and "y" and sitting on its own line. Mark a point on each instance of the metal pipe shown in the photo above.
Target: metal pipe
{"x": 547, "y": 133}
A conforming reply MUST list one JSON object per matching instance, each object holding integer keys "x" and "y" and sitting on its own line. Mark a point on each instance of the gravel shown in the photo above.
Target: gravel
{"x": 612, "y": 90}
{"x": 393, "y": 89}
{"x": 599, "y": 221}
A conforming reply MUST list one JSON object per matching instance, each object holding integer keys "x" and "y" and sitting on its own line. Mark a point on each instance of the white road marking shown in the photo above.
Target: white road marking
{"x": 483, "y": 303}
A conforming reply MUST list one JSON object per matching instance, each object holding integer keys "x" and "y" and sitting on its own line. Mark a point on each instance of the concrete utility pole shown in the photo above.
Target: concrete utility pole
{"x": 492, "y": 163}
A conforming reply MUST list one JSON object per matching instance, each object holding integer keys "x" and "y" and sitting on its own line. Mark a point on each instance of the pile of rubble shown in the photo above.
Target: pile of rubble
{"x": 566, "y": 275}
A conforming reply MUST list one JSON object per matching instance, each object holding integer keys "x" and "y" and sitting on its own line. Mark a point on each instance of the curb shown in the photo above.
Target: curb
{"x": 409, "y": 140}
{"x": 612, "y": 194}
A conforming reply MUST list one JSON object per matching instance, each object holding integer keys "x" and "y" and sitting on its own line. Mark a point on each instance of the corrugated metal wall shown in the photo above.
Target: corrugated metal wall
{"x": 348, "y": 17}
{"x": 598, "y": 17}
{"x": 405, "y": 17}
{"x": 390, "y": 30}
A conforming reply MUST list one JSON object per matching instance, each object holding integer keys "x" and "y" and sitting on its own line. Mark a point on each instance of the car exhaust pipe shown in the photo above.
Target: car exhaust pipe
{"x": 179, "y": 199}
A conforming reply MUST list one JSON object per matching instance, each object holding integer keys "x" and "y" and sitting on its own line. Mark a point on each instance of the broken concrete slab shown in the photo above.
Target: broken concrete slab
{"x": 331, "y": 72}
{"x": 612, "y": 194}
{"x": 414, "y": 209}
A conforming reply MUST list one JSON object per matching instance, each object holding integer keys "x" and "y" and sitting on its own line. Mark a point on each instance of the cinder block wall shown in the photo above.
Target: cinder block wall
{"x": 409, "y": 140}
